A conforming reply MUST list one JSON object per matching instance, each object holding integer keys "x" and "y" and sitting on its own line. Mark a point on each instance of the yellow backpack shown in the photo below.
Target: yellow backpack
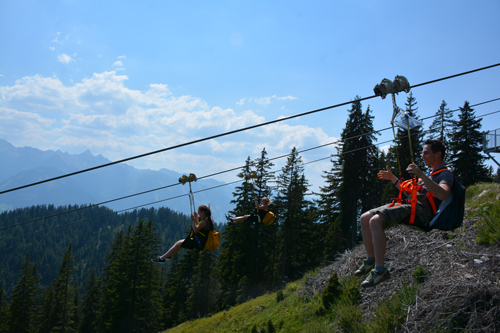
{"x": 213, "y": 239}
{"x": 268, "y": 219}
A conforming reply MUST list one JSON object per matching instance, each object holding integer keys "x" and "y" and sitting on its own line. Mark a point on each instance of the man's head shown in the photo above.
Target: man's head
{"x": 434, "y": 151}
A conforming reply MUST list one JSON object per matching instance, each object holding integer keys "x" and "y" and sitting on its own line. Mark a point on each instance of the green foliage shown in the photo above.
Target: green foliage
{"x": 131, "y": 294}
{"x": 390, "y": 313}
{"x": 348, "y": 317}
{"x": 91, "y": 230}
{"x": 489, "y": 227}
{"x": 23, "y": 304}
{"x": 359, "y": 169}
{"x": 331, "y": 292}
{"x": 4, "y": 314}
{"x": 270, "y": 327}
{"x": 441, "y": 127}
{"x": 279, "y": 296}
{"x": 420, "y": 274}
{"x": 467, "y": 159}
{"x": 65, "y": 288}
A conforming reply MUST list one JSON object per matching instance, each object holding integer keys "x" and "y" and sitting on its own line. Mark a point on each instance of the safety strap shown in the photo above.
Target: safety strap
{"x": 411, "y": 186}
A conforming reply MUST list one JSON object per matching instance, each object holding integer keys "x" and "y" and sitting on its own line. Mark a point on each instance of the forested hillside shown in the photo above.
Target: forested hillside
{"x": 90, "y": 230}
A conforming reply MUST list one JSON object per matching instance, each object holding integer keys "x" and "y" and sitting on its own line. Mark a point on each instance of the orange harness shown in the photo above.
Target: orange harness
{"x": 411, "y": 186}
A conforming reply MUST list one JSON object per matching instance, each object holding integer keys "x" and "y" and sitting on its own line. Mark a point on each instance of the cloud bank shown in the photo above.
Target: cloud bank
{"x": 102, "y": 114}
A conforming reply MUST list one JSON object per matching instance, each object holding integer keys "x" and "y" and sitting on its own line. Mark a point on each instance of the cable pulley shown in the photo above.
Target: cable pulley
{"x": 189, "y": 179}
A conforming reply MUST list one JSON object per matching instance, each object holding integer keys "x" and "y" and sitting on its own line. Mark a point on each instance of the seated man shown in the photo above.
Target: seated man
{"x": 376, "y": 220}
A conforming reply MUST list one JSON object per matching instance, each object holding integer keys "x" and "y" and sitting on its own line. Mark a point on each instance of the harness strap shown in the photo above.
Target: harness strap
{"x": 411, "y": 186}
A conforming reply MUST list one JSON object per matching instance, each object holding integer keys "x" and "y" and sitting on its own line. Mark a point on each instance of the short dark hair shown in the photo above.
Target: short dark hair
{"x": 437, "y": 145}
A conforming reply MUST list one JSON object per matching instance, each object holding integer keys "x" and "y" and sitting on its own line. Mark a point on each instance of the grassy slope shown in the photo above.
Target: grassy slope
{"x": 289, "y": 315}
{"x": 297, "y": 313}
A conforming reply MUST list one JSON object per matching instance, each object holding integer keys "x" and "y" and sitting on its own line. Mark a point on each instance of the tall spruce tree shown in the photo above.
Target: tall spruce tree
{"x": 291, "y": 205}
{"x": 91, "y": 305}
{"x": 328, "y": 204}
{"x": 65, "y": 290}
{"x": 441, "y": 126}
{"x": 4, "y": 312}
{"x": 176, "y": 289}
{"x": 245, "y": 254}
{"x": 356, "y": 158}
{"x": 236, "y": 248}
{"x": 202, "y": 293}
{"x": 403, "y": 140}
{"x": 265, "y": 251}
{"x": 23, "y": 305}
{"x": 388, "y": 190}
{"x": 47, "y": 316}
{"x": 371, "y": 187}
{"x": 131, "y": 284}
{"x": 467, "y": 160}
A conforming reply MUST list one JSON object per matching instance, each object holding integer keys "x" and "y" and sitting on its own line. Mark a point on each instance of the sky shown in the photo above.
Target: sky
{"x": 123, "y": 78}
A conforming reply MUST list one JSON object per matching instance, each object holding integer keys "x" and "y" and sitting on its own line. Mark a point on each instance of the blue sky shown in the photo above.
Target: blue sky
{"x": 121, "y": 78}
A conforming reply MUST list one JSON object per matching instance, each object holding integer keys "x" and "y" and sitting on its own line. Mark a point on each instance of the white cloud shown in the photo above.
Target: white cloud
{"x": 65, "y": 59}
{"x": 102, "y": 114}
{"x": 264, "y": 100}
{"x": 118, "y": 65}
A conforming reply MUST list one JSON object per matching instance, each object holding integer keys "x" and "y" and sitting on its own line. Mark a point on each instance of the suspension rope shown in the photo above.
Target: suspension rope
{"x": 251, "y": 163}
{"x": 235, "y": 131}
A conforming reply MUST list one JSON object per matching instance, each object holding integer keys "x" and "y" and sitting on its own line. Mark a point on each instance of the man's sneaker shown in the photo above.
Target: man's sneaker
{"x": 375, "y": 278}
{"x": 365, "y": 268}
{"x": 159, "y": 260}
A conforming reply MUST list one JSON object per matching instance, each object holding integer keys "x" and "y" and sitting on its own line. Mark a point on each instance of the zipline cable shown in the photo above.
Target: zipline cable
{"x": 233, "y": 169}
{"x": 235, "y": 131}
{"x": 226, "y": 184}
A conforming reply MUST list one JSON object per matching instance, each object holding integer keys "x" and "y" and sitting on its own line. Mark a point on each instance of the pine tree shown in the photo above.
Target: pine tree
{"x": 467, "y": 160}
{"x": 358, "y": 166}
{"x": 329, "y": 210}
{"x": 132, "y": 284}
{"x": 65, "y": 290}
{"x": 387, "y": 190}
{"x": 176, "y": 288}
{"x": 4, "y": 312}
{"x": 496, "y": 176}
{"x": 202, "y": 292}
{"x": 263, "y": 274}
{"x": 291, "y": 206}
{"x": 371, "y": 187}
{"x": 47, "y": 316}
{"x": 23, "y": 304}
{"x": 91, "y": 305}
{"x": 236, "y": 247}
{"x": 403, "y": 141}
{"x": 441, "y": 126}
{"x": 245, "y": 259}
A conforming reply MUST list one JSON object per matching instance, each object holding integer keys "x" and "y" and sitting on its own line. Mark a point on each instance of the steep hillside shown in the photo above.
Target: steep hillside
{"x": 440, "y": 281}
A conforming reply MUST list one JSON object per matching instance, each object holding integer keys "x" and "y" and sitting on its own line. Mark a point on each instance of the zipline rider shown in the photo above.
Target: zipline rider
{"x": 431, "y": 190}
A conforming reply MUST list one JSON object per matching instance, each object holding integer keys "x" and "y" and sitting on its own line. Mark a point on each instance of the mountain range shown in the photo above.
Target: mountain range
{"x": 25, "y": 165}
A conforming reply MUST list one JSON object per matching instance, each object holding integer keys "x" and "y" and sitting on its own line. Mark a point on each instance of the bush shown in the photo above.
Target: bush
{"x": 331, "y": 292}
{"x": 420, "y": 274}
{"x": 279, "y": 296}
